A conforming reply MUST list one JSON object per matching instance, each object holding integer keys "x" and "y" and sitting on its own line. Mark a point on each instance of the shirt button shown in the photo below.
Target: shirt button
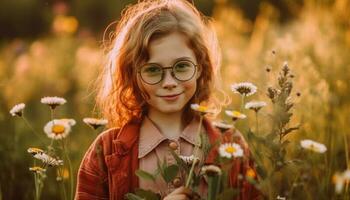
{"x": 177, "y": 182}
{"x": 173, "y": 145}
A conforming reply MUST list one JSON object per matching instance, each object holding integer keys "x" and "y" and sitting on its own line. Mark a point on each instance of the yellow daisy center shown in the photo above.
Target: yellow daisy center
{"x": 36, "y": 150}
{"x": 236, "y": 113}
{"x": 65, "y": 174}
{"x": 250, "y": 173}
{"x": 58, "y": 129}
{"x": 230, "y": 149}
{"x": 202, "y": 108}
{"x": 36, "y": 169}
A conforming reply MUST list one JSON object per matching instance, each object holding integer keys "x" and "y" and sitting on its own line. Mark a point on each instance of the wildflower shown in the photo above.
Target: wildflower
{"x": 211, "y": 170}
{"x": 339, "y": 179}
{"x": 250, "y": 173}
{"x": 53, "y": 102}
{"x": 71, "y": 122}
{"x": 17, "y": 110}
{"x": 37, "y": 169}
{"x": 95, "y": 123}
{"x": 230, "y": 150}
{"x": 255, "y": 105}
{"x": 201, "y": 109}
{"x": 57, "y": 129}
{"x": 48, "y": 159}
{"x": 244, "y": 88}
{"x": 65, "y": 24}
{"x": 280, "y": 197}
{"x": 35, "y": 151}
{"x": 235, "y": 115}
{"x": 189, "y": 159}
{"x": 222, "y": 126}
{"x": 313, "y": 146}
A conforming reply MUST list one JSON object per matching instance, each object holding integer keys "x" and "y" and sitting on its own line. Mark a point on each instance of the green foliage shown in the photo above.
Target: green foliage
{"x": 145, "y": 175}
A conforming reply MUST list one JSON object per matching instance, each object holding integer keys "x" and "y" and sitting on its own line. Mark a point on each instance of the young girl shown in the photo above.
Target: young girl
{"x": 164, "y": 57}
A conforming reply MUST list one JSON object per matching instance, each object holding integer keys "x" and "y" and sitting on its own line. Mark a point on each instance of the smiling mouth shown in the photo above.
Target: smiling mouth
{"x": 173, "y": 95}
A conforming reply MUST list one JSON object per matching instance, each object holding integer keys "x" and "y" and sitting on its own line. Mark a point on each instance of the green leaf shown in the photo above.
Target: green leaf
{"x": 261, "y": 171}
{"x": 228, "y": 194}
{"x": 131, "y": 196}
{"x": 145, "y": 175}
{"x": 180, "y": 162}
{"x": 170, "y": 173}
{"x": 147, "y": 194}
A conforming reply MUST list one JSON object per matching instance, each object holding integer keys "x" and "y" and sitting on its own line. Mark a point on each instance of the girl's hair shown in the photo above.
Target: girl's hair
{"x": 119, "y": 97}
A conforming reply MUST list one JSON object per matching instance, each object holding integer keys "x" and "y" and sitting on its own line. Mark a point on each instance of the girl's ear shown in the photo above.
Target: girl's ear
{"x": 199, "y": 72}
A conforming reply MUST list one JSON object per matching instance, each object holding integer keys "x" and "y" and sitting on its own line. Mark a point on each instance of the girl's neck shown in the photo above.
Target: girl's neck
{"x": 169, "y": 124}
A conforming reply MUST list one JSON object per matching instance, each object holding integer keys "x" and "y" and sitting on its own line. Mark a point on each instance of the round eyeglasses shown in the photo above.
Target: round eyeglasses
{"x": 153, "y": 73}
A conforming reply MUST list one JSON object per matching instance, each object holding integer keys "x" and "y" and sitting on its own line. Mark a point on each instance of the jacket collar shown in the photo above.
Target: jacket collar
{"x": 151, "y": 136}
{"x": 129, "y": 135}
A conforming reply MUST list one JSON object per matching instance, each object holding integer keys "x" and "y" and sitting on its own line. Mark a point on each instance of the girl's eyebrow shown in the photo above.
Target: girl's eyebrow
{"x": 174, "y": 61}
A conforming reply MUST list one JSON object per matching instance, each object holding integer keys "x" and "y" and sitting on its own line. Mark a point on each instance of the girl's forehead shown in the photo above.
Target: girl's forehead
{"x": 170, "y": 48}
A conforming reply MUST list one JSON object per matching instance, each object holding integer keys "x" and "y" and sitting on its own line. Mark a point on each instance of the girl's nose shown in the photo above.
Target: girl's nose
{"x": 168, "y": 81}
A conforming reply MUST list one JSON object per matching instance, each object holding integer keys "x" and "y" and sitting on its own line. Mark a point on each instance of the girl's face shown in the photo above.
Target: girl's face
{"x": 169, "y": 95}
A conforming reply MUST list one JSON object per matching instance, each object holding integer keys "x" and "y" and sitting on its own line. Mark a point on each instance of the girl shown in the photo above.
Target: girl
{"x": 164, "y": 57}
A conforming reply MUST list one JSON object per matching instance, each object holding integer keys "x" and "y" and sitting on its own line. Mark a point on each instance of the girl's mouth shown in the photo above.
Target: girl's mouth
{"x": 172, "y": 97}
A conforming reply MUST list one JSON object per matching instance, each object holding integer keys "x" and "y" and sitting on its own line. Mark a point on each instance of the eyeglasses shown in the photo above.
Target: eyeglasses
{"x": 153, "y": 73}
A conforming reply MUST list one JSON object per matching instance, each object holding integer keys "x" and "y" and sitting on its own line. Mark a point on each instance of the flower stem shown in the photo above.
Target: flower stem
{"x": 32, "y": 129}
{"x": 64, "y": 193}
{"x": 196, "y": 148}
{"x": 70, "y": 169}
{"x": 257, "y": 123}
{"x": 346, "y": 149}
{"x": 242, "y": 103}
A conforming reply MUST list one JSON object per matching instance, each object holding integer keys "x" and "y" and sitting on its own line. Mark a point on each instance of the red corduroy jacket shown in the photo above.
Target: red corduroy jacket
{"x": 107, "y": 170}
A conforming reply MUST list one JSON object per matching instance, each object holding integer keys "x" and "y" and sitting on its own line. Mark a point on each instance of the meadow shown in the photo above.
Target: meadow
{"x": 315, "y": 45}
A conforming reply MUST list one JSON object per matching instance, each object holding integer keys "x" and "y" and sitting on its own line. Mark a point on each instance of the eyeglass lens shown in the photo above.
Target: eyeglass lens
{"x": 153, "y": 73}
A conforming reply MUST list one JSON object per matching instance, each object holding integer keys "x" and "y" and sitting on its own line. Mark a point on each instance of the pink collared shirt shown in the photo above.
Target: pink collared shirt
{"x": 154, "y": 147}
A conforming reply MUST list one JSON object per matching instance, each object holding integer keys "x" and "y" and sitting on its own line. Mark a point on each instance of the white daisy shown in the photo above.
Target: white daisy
{"x": 244, "y": 88}
{"x": 57, "y": 129}
{"x": 71, "y": 122}
{"x": 313, "y": 146}
{"x": 229, "y": 150}
{"x": 211, "y": 170}
{"x": 222, "y": 125}
{"x": 17, "y": 110}
{"x": 235, "y": 114}
{"x": 255, "y": 105}
{"x": 48, "y": 160}
{"x": 202, "y": 109}
{"x": 95, "y": 123}
{"x": 340, "y": 179}
{"x": 53, "y": 102}
{"x": 37, "y": 169}
{"x": 34, "y": 151}
{"x": 189, "y": 159}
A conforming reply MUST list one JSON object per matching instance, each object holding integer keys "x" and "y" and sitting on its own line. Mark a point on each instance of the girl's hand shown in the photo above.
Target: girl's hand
{"x": 181, "y": 193}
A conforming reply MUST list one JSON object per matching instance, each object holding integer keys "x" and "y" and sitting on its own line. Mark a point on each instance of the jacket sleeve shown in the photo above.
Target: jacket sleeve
{"x": 243, "y": 168}
{"x": 92, "y": 180}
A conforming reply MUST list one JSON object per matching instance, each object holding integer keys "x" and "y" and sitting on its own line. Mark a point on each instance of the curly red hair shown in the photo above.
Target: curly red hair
{"x": 119, "y": 97}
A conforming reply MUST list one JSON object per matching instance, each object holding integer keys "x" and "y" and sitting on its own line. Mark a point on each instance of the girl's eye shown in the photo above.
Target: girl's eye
{"x": 152, "y": 70}
{"x": 183, "y": 66}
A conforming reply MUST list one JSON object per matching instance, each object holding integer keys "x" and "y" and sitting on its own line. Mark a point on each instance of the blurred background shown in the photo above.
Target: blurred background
{"x": 54, "y": 48}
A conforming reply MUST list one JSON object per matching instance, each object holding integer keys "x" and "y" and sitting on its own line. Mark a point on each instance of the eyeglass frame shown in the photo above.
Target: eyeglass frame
{"x": 171, "y": 73}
